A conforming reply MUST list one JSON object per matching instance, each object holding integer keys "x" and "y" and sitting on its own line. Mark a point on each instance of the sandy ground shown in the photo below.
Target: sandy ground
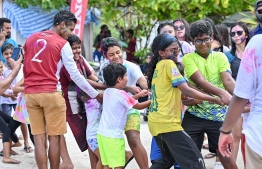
{"x": 81, "y": 159}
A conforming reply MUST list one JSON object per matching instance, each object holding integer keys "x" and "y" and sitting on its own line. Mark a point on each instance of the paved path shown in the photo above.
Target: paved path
{"x": 81, "y": 159}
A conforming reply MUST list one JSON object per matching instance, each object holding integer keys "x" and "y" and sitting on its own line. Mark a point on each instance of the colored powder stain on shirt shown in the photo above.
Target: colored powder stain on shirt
{"x": 129, "y": 99}
{"x": 248, "y": 60}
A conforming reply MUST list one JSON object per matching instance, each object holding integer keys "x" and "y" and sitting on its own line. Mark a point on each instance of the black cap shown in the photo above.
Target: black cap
{"x": 258, "y": 4}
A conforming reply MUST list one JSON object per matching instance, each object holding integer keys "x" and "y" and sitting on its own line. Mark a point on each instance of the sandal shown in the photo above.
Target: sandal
{"x": 209, "y": 155}
{"x": 128, "y": 161}
{"x": 28, "y": 149}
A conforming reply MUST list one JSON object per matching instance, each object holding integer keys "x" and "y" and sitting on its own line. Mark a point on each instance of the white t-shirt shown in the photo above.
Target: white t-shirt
{"x": 6, "y": 72}
{"x": 133, "y": 72}
{"x": 249, "y": 86}
{"x": 186, "y": 47}
{"x": 93, "y": 115}
{"x": 114, "y": 114}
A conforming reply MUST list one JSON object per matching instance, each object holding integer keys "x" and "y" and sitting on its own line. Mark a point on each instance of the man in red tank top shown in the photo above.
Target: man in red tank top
{"x": 45, "y": 53}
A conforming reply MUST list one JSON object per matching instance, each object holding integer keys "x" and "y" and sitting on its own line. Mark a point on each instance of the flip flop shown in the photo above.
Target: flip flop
{"x": 28, "y": 149}
{"x": 209, "y": 155}
{"x": 128, "y": 161}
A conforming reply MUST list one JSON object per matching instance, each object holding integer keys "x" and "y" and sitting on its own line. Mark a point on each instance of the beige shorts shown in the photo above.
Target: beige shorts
{"x": 253, "y": 160}
{"x": 47, "y": 113}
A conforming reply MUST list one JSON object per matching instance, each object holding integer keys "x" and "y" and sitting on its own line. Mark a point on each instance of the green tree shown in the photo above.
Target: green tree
{"x": 143, "y": 15}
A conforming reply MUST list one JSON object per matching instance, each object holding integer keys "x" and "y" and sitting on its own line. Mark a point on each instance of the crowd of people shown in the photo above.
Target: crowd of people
{"x": 203, "y": 81}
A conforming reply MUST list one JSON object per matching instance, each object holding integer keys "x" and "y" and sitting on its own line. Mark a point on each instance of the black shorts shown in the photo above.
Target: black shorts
{"x": 195, "y": 126}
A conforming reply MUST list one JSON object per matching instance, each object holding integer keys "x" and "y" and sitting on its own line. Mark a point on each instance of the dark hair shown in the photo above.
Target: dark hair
{"x": 130, "y": 31}
{"x": 112, "y": 72}
{"x": 73, "y": 39}
{"x": 224, "y": 34}
{"x": 6, "y": 46}
{"x": 81, "y": 98}
{"x": 3, "y": 20}
{"x": 160, "y": 43}
{"x": 136, "y": 60}
{"x": 150, "y": 54}
{"x": 216, "y": 35}
{"x": 245, "y": 28}
{"x": 66, "y": 16}
{"x": 180, "y": 68}
{"x": 103, "y": 27}
{"x": 187, "y": 28}
{"x": 108, "y": 42}
{"x": 172, "y": 25}
{"x": 200, "y": 28}
{"x": 161, "y": 25}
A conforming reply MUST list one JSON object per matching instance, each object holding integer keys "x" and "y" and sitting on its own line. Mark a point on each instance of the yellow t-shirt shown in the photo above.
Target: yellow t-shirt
{"x": 165, "y": 109}
{"x": 210, "y": 68}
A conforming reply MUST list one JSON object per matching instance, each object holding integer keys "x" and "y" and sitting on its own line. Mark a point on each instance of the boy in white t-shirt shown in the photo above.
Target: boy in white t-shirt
{"x": 116, "y": 104}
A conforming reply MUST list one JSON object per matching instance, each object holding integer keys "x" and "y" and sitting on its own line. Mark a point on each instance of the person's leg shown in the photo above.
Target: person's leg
{"x": 183, "y": 150}
{"x": 66, "y": 160}
{"x": 237, "y": 133}
{"x": 54, "y": 151}
{"x": 99, "y": 162}
{"x": 13, "y": 126}
{"x": 132, "y": 131}
{"x": 194, "y": 128}
{"x": 27, "y": 147}
{"x": 38, "y": 126}
{"x": 40, "y": 151}
{"x": 30, "y": 133}
{"x": 93, "y": 158}
{"x": 6, "y": 142}
{"x": 166, "y": 160}
{"x": 55, "y": 118}
{"x": 212, "y": 131}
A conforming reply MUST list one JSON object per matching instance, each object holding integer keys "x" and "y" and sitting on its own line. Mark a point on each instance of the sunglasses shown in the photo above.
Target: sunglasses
{"x": 259, "y": 11}
{"x": 181, "y": 27}
{"x": 239, "y": 33}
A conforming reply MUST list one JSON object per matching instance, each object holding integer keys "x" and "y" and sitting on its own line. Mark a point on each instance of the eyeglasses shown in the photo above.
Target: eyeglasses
{"x": 200, "y": 42}
{"x": 181, "y": 27}
{"x": 259, "y": 11}
{"x": 239, "y": 33}
{"x": 148, "y": 57}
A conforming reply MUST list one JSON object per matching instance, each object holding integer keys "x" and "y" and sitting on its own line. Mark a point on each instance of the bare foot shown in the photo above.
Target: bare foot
{"x": 66, "y": 165}
{"x": 12, "y": 152}
{"x": 18, "y": 144}
{"x": 10, "y": 160}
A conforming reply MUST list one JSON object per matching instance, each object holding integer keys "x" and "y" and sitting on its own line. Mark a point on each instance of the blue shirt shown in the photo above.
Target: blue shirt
{"x": 230, "y": 57}
{"x": 11, "y": 41}
{"x": 257, "y": 30}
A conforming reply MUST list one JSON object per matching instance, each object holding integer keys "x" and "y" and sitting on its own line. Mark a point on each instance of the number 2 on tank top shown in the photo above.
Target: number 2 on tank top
{"x": 41, "y": 50}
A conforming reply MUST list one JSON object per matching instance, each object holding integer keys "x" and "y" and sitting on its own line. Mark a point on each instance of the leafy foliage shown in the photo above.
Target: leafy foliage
{"x": 46, "y": 5}
{"x": 142, "y": 15}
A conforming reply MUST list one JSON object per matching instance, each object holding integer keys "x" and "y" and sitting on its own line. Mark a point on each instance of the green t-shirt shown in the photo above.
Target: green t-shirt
{"x": 210, "y": 68}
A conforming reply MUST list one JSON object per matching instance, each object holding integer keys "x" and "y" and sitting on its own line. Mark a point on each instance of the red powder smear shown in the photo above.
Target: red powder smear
{"x": 248, "y": 59}
{"x": 130, "y": 100}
